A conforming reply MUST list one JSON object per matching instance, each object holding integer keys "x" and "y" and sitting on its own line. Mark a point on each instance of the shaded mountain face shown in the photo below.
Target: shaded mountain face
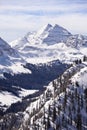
{"x": 41, "y": 75}
{"x": 6, "y": 52}
{"x": 5, "y": 49}
{"x": 56, "y": 34}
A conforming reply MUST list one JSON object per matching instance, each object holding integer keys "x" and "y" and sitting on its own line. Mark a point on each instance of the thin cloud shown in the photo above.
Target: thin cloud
{"x": 34, "y": 10}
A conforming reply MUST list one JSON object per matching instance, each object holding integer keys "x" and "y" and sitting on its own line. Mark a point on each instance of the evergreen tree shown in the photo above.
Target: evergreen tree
{"x": 48, "y": 122}
{"x": 76, "y": 61}
{"x": 77, "y": 84}
{"x": 81, "y": 101}
{"x": 85, "y": 58}
{"x": 44, "y": 118}
{"x": 37, "y": 126}
{"x": 80, "y": 61}
{"x": 54, "y": 113}
{"x": 79, "y": 122}
{"x": 49, "y": 110}
{"x": 65, "y": 100}
{"x": 85, "y": 97}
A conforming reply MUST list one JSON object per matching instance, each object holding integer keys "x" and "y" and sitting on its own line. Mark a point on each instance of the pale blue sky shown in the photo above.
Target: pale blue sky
{"x": 17, "y": 17}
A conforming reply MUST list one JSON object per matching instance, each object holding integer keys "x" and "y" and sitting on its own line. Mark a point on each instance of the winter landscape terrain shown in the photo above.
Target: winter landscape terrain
{"x": 43, "y": 81}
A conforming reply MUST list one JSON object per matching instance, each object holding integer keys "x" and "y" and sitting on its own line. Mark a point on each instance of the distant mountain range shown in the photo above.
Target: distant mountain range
{"x": 49, "y": 35}
{"x": 49, "y": 43}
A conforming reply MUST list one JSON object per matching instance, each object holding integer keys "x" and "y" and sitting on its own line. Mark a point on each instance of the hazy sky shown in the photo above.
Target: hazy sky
{"x": 17, "y": 17}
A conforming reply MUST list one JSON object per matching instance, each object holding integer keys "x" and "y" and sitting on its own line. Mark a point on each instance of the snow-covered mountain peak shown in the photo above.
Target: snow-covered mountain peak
{"x": 43, "y": 32}
{"x": 56, "y": 34}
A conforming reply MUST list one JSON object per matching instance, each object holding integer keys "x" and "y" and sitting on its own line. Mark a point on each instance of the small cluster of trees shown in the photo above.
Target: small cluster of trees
{"x": 79, "y": 61}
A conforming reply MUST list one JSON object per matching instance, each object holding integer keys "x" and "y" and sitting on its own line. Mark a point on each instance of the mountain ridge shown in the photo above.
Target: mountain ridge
{"x": 45, "y": 33}
{"x": 49, "y": 35}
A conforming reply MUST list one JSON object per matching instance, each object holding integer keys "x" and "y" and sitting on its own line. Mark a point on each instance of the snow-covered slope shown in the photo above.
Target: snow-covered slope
{"x": 10, "y": 60}
{"x": 8, "y": 98}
